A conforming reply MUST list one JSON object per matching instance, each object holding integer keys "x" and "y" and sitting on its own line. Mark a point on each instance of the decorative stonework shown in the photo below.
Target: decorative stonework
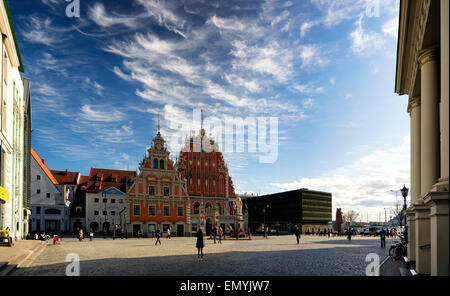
{"x": 417, "y": 37}
{"x": 413, "y": 103}
{"x": 427, "y": 55}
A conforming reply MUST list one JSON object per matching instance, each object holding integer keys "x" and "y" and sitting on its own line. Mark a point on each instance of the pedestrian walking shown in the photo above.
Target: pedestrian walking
{"x": 383, "y": 238}
{"x": 214, "y": 232}
{"x": 168, "y": 233}
{"x": 158, "y": 236}
{"x": 297, "y": 234}
{"x": 80, "y": 235}
{"x": 220, "y": 233}
{"x": 200, "y": 244}
{"x": 91, "y": 234}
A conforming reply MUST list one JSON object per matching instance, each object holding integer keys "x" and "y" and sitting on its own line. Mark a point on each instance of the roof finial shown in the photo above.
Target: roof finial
{"x": 159, "y": 125}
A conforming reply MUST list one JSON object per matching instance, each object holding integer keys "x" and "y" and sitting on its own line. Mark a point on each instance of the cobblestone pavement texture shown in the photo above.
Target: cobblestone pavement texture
{"x": 314, "y": 256}
{"x": 8, "y": 253}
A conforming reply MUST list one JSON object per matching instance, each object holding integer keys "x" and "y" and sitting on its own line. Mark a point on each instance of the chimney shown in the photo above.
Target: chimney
{"x": 67, "y": 173}
{"x": 43, "y": 161}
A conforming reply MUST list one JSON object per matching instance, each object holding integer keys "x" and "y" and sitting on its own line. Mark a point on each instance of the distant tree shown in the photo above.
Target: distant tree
{"x": 397, "y": 211}
{"x": 350, "y": 216}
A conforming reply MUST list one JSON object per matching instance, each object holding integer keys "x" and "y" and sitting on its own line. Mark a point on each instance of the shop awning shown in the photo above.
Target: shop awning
{"x": 4, "y": 194}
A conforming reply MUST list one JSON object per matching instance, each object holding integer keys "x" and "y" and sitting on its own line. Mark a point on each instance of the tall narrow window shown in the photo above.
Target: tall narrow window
{"x": 155, "y": 163}
{"x": 196, "y": 208}
{"x": 136, "y": 210}
{"x": 166, "y": 191}
{"x": 161, "y": 164}
{"x": 151, "y": 190}
{"x": 180, "y": 211}
{"x": 4, "y": 115}
{"x": 151, "y": 210}
{"x": 5, "y": 69}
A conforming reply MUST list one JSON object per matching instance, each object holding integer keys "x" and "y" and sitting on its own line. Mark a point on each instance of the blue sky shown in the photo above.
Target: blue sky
{"x": 324, "y": 68}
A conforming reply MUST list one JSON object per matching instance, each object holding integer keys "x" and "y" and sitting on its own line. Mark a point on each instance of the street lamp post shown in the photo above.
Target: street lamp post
{"x": 404, "y": 191}
{"x": 104, "y": 222}
{"x": 264, "y": 211}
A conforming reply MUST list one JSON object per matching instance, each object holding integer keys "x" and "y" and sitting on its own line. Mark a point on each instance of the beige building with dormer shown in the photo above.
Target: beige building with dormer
{"x": 423, "y": 75}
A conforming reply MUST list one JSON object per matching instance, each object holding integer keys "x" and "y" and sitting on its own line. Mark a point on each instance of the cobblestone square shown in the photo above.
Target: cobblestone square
{"x": 275, "y": 256}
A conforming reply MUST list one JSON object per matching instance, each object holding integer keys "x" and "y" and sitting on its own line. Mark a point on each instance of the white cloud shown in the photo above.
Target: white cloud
{"x": 308, "y": 103}
{"x": 270, "y": 59}
{"x": 98, "y": 14}
{"x": 97, "y": 87}
{"x": 100, "y": 113}
{"x": 364, "y": 43}
{"x": 311, "y": 56}
{"x": 39, "y": 30}
{"x": 306, "y": 26}
{"x": 365, "y": 184}
{"x": 391, "y": 27}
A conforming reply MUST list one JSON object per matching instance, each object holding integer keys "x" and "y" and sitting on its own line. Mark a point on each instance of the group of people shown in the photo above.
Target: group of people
{"x": 298, "y": 232}
{"x": 217, "y": 231}
{"x": 81, "y": 234}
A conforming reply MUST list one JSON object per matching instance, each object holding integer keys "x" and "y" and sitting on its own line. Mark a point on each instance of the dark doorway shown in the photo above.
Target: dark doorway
{"x": 52, "y": 226}
{"x": 180, "y": 230}
{"x": 136, "y": 229}
{"x": 93, "y": 226}
{"x": 78, "y": 225}
{"x": 106, "y": 226}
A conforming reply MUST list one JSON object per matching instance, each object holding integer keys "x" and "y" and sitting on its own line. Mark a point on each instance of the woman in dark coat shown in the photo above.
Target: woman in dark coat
{"x": 200, "y": 243}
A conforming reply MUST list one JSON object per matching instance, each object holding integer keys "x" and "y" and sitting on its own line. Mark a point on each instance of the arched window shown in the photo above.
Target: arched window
{"x": 196, "y": 208}
{"x": 161, "y": 164}
{"x": 208, "y": 208}
{"x": 155, "y": 163}
{"x": 220, "y": 208}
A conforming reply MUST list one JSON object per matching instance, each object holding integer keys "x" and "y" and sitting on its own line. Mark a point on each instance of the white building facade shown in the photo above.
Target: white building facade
{"x": 50, "y": 211}
{"x": 106, "y": 210}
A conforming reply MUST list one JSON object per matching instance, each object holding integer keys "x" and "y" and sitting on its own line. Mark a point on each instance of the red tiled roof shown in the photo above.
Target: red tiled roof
{"x": 83, "y": 180}
{"x": 43, "y": 166}
{"x": 101, "y": 179}
{"x": 66, "y": 177}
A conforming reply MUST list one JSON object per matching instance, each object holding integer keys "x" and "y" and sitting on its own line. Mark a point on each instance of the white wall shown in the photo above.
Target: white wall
{"x": 55, "y": 201}
{"x": 92, "y": 206}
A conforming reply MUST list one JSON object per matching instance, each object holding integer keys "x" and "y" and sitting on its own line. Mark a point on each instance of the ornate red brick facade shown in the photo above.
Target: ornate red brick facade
{"x": 210, "y": 188}
{"x": 158, "y": 197}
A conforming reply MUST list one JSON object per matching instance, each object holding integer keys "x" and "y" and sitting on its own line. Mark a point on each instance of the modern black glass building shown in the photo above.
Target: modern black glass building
{"x": 310, "y": 210}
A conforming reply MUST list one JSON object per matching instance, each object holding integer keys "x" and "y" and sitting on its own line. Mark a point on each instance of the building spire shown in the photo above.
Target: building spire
{"x": 201, "y": 124}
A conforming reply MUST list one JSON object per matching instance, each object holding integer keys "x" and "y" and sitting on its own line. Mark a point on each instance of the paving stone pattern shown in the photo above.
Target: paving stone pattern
{"x": 178, "y": 256}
